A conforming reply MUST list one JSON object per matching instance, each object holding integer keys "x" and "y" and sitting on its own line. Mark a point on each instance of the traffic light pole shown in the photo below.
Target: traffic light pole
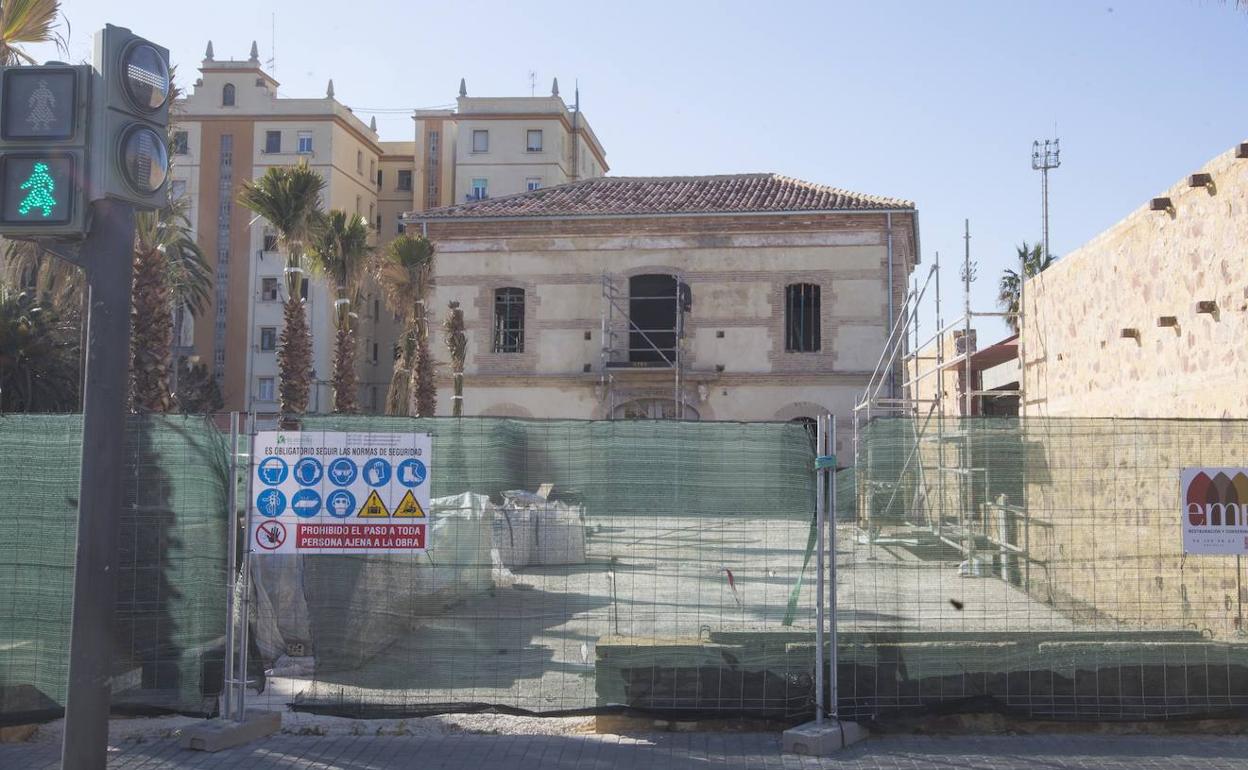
{"x": 107, "y": 256}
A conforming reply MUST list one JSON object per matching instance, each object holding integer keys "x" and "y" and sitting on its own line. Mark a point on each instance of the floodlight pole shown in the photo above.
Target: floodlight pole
{"x": 107, "y": 255}
{"x": 820, "y": 521}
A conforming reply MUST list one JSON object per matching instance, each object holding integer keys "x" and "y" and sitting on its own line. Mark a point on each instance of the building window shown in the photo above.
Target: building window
{"x": 533, "y": 142}
{"x": 270, "y": 241}
{"x": 178, "y": 189}
{"x": 268, "y": 289}
{"x": 264, "y": 389}
{"x": 533, "y": 183}
{"x": 305, "y": 142}
{"x": 357, "y": 204}
{"x": 801, "y": 318}
{"x": 405, "y": 181}
{"x": 272, "y": 141}
{"x": 376, "y": 352}
{"x": 480, "y": 140}
{"x": 227, "y": 95}
{"x": 359, "y": 162}
{"x": 479, "y": 188}
{"x": 180, "y": 144}
{"x": 372, "y": 170}
{"x": 268, "y": 338}
{"x": 372, "y": 211}
{"x": 303, "y": 289}
{"x": 654, "y": 302}
{"x": 509, "y": 320}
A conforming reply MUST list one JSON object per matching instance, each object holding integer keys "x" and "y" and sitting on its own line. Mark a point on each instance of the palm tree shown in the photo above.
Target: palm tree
{"x": 457, "y": 344}
{"x": 27, "y": 21}
{"x": 170, "y": 274}
{"x": 289, "y": 198}
{"x": 38, "y": 356}
{"x": 405, "y": 274}
{"x": 338, "y": 254}
{"x": 1010, "y": 288}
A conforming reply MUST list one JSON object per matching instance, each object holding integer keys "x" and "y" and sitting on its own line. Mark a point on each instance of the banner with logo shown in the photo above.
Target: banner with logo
{"x": 1215, "y": 510}
{"x": 316, "y": 492}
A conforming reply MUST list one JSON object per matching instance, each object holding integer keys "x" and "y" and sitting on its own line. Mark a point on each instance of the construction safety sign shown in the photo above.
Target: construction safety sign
{"x": 332, "y": 492}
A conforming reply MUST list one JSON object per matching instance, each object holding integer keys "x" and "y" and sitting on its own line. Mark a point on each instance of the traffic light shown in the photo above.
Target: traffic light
{"x": 44, "y": 114}
{"x": 130, "y": 120}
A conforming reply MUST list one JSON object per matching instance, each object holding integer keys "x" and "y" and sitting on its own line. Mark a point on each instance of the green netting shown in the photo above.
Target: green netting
{"x": 656, "y": 536}
{"x": 171, "y": 602}
{"x": 1037, "y": 566}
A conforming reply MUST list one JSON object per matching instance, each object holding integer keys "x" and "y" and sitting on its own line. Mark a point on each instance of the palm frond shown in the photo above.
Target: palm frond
{"x": 27, "y": 21}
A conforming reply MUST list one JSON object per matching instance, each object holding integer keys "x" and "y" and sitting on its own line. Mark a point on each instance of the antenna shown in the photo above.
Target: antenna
{"x": 532, "y": 83}
{"x": 272, "y": 60}
{"x": 1044, "y": 157}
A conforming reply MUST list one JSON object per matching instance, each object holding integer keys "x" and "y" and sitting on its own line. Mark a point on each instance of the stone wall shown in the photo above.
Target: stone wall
{"x": 1151, "y": 265}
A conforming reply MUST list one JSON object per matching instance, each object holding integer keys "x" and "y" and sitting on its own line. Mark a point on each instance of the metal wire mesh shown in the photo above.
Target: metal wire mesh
{"x": 1036, "y": 566}
{"x": 170, "y": 612}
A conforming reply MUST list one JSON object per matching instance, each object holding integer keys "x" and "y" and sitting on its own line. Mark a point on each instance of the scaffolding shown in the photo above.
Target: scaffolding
{"x": 941, "y": 507}
{"x": 626, "y": 345}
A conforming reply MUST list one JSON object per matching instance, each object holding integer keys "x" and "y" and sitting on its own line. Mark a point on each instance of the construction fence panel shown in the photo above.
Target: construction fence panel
{"x": 572, "y": 566}
{"x": 1036, "y": 566}
{"x": 170, "y": 612}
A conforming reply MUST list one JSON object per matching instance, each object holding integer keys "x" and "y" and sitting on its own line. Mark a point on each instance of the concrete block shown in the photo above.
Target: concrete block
{"x": 816, "y": 739}
{"x": 218, "y": 734}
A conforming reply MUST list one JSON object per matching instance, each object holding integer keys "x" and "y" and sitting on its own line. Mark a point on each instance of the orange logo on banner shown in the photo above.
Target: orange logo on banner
{"x": 409, "y": 508}
{"x": 374, "y": 508}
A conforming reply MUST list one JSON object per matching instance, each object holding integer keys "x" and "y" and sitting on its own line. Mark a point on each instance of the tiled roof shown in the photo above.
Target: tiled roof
{"x": 731, "y": 193}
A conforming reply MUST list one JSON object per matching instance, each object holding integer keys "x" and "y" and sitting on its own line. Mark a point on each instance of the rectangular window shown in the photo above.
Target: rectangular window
{"x": 533, "y": 183}
{"x": 357, "y": 204}
{"x": 272, "y": 141}
{"x": 801, "y": 318}
{"x": 303, "y": 289}
{"x": 405, "y": 180}
{"x": 268, "y": 289}
{"x": 180, "y": 145}
{"x": 372, "y": 211}
{"x": 359, "y": 162}
{"x": 533, "y": 142}
{"x": 376, "y": 351}
{"x": 509, "y": 320}
{"x": 372, "y": 169}
{"x": 177, "y": 189}
{"x": 305, "y": 142}
{"x": 479, "y": 188}
{"x": 264, "y": 389}
{"x": 268, "y": 338}
{"x": 480, "y": 140}
{"x": 379, "y": 175}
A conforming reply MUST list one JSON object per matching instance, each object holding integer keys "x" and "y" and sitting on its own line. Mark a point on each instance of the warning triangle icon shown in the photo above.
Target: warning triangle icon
{"x": 374, "y": 508}
{"x": 409, "y": 508}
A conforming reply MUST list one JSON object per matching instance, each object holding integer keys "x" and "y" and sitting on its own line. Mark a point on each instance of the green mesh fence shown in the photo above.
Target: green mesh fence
{"x": 1036, "y": 566}
{"x": 171, "y": 604}
{"x": 663, "y": 572}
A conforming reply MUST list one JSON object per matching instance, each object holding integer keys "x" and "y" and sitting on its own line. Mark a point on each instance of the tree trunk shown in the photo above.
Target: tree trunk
{"x": 345, "y": 382}
{"x": 150, "y": 349}
{"x": 424, "y": 391}
{"x": 398, "y": 397}
{"x": 294, "y": 358}
{"x": 457, "y": 405}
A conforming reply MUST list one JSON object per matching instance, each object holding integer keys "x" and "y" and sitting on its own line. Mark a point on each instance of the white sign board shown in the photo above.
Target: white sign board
{"x": 1215, "y": 510}
{"x": 329, "y": 492}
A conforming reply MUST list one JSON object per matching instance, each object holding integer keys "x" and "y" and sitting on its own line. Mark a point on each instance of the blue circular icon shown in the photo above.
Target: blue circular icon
{"x": 272, "y": 471}
{"x": 377, "y": 472}
{"x": 306, "y": 503}
{"x": 340, "y": 504}
{"x": 343, "y": 471}
{"x": 271, "y": 502}
{"x": 308, "y": 471}
{"x": 412, "y": 473}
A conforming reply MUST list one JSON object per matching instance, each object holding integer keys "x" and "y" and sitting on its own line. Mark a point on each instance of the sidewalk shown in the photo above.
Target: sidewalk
{"x": 664, "y": 751}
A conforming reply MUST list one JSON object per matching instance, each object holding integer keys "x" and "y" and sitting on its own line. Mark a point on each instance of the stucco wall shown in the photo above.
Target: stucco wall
{"x": 1149, "y": 265}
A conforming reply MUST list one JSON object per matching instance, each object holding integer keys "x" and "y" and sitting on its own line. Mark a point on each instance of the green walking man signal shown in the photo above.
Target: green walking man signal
{"x": 41, "y": 188}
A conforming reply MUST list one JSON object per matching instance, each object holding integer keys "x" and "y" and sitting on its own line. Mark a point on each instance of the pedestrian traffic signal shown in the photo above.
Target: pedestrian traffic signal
{"x": 129, "y": 152}
{"x": 44, "y": 113}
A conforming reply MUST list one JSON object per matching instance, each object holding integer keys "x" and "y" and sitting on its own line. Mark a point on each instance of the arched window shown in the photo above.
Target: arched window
{"x": 227, "y": 95}
{"x": 802, "y": 318}
{"x": 509, "y": 320}
{"x": 653, "y": 409}
{"x": 652, "y": 312}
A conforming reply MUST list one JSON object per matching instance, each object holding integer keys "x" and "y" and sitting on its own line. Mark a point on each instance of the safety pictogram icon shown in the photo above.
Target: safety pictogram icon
{"x": 374, "y": 508}
{"x": 270, "y": 535}
{"x": 409, "y": 508}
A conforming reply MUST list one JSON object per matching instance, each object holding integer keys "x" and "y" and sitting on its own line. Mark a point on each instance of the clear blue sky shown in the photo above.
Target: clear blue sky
{"x": 937, "y": 102}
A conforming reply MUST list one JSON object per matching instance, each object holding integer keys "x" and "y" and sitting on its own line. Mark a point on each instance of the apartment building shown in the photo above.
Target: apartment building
{"x": 230, "y": 129}
{"x": 738, "y": 297}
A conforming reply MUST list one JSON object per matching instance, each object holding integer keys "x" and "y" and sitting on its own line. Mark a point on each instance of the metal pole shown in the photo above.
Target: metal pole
{"x": 108, "y": 253}
{"x": 232, "y": 566}
{"x": 832, "y": 663}
{"x": 244, "y": 634}
{"x": 820, "y": 520}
